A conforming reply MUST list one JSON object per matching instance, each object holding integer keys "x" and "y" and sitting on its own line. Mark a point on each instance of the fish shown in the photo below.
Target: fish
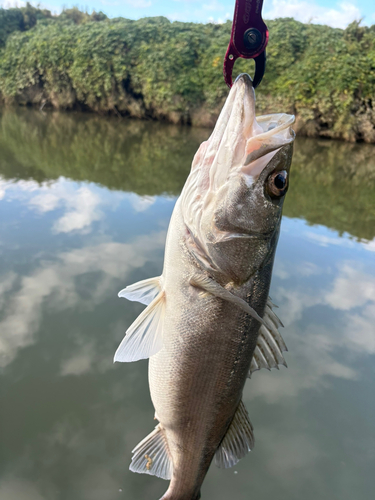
{"x": 209, "y": 322}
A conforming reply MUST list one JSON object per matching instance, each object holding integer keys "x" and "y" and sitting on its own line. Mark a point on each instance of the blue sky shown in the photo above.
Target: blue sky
{"x": 334, "y": 13}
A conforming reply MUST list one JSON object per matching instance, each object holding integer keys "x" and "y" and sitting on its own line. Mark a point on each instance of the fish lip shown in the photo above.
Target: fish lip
{"x": 244, "y": 76}
{"x": 281, "y": 130}
{"x": 245, "y": 236}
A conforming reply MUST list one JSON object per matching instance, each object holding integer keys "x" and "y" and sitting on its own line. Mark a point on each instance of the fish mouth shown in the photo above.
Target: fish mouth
{"x": 244, "y": 236}
{"x": 240, "y": 146}
{"x": 276, "y": 132}
{"x": 244, "y": 143}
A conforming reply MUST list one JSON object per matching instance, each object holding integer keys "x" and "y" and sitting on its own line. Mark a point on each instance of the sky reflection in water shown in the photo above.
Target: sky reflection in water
{"x": 73, "y": 233}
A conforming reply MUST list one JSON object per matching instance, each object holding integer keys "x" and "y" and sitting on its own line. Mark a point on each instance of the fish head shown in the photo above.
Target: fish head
{"x": 232, "y": 200}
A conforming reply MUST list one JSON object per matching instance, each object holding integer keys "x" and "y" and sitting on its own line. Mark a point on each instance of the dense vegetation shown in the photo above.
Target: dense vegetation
{"x": 162, "y": 70}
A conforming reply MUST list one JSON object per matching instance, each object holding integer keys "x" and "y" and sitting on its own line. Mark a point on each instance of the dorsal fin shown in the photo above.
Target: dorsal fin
{"x": 270, "y": 345}
{"x": 144, "y": 337}
{"x": 238, "y": 440}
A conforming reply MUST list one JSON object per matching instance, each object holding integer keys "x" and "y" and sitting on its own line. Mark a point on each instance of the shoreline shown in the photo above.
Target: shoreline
{"x": 362, "y": 132}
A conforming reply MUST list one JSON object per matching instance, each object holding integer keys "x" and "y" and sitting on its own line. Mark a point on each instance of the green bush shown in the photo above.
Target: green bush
{"x": 161, "y": 69}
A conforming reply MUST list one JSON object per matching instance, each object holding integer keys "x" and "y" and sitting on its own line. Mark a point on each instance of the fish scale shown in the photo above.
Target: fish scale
{"x": 202, "y": 383}
{"x": 209, "y": 321}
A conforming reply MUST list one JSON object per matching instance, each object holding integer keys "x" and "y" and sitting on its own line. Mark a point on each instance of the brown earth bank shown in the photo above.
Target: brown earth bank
{"x": 361, "y": 129}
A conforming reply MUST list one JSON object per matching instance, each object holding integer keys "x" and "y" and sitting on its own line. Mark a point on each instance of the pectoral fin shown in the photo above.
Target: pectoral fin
{"x": 151, "y": 456}
{"x": 238, "y": 440}
{"x": 143, "y": 291}
{"x": 144, "y": 337}
{"x": 211, "y": 286}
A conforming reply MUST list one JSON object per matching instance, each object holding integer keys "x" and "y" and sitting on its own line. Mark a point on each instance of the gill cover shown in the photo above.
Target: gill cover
{"x": 237, "y": 152}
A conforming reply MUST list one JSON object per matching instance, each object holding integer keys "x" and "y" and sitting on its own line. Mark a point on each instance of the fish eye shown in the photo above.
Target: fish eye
{"x": 277, "y": 184}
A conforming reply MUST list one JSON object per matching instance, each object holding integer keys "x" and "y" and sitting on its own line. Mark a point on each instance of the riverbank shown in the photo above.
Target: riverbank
{"x": 159, "y": 70}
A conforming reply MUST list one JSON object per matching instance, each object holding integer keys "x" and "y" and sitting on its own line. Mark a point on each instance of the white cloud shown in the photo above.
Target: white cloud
{"x": 314, "y": 346}
{"x": 109, "y": 4}
{"x": 2, "y": 189}
{"x": 214, "y": 5}
{"x": 82, "y": 212}
{"x": 11, "y": 187}
{"x": 294, "y": 302}
{"x": 360, "y": 330}
{"x": 353, "y": 287}
{"x": 139, "y": 4}
{"x": 344, "y": 240}
{"x": 369, "y": 245}
{"x": 325, "y": 241}
{"x": 7, "y": 4}
{"x": 220, "y": 20}
{"x": 308, "y": 269}
{"x": 87, "y": 355}
{"x": 141, "y": 203}
{"x": 305, "y": 11}
{"x": 280, "y": 271}
{"x": 303, "y": 268}
{"x": 57, "y": 282}
{"x": 13, "y": 3}
{"x": 311, "y": 365}
{"x": 81, "y": 205}
{"x": 45, "y": 202}
{"x": 81, "y": 361}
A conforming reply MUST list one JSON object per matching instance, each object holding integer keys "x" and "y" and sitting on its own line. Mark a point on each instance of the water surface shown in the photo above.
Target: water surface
{"x": 85, "y": 203}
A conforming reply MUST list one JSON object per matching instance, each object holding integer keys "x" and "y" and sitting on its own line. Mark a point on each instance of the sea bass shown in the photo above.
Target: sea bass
{"x": 209, "y": 322}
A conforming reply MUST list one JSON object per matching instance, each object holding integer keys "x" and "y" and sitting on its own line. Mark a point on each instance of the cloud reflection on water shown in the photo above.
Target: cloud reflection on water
{"x": 55, "y": 284}
{"x": 323, "y": 283}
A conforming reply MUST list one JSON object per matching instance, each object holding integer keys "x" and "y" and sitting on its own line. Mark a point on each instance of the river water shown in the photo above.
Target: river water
{"x": 85, "y": 203}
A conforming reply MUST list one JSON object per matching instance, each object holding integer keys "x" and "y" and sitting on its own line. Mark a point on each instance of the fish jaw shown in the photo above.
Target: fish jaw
{"x": 228, "y": 166}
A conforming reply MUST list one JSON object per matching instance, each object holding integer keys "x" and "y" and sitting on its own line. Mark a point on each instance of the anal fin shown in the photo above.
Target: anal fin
{"x": 238, "y": 440}
{"x": 151, "y": 456}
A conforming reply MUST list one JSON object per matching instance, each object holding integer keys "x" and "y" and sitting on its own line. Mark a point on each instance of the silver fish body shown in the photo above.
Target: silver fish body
{"x": 209, "y": 321}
